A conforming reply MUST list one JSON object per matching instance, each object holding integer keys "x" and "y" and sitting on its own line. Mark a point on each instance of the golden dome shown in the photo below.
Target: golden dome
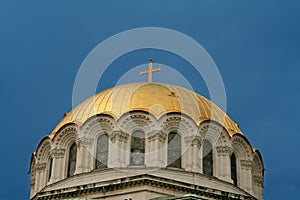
{"x": 155, "y": 98}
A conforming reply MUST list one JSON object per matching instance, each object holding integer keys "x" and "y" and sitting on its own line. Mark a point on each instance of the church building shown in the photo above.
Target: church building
{"x": 146, "y": 141}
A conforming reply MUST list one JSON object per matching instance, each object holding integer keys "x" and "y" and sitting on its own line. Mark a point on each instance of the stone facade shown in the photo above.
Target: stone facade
{"x": 153, "y": 179}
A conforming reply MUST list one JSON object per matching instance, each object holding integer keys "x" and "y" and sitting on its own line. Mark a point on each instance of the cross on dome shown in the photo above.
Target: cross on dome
{"x": 150, "y": 71}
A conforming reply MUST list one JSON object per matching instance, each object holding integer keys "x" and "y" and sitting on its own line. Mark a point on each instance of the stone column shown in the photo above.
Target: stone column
{"x": 32, "y": 185}
{"x": 149, "y": 150}
{"x": 187, "y": 156}
{"x": 82, "y": 160}
{"x": 155, "y": 154}
{"x": 40, "y": 181}
{"x": 197, "y": 162}
{"x": 58, "y": 165}
{"x": 257, "y": 186}
{"x": 124, "y": 150}
{"x": 223, "y": 170}
{"x": 191, "y": 154}
{"x": 246, "y": 175}
{"x": 118, "y": 152}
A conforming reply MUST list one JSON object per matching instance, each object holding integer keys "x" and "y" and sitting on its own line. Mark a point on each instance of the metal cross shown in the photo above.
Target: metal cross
{"x": 150, "y": 71}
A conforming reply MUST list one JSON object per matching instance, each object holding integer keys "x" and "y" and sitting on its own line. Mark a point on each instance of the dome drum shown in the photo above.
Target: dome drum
{"x": 160, "y": 132}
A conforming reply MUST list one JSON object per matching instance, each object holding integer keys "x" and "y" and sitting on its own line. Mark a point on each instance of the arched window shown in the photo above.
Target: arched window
{"x": 102, "y": 152}
{"x": 174, "y": 150}
{"x": 50, "y": 169}
{"x": 207, "y": 155}
{"x": 72, "y": 159}
{"x": 233, "y": 168}
{"x": 137, "y": 149}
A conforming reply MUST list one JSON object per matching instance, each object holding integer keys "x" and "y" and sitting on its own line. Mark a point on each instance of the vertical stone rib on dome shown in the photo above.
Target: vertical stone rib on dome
{"x": 155, "y": 98}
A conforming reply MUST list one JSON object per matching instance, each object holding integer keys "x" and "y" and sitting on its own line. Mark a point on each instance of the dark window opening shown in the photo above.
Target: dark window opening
{"x": 174, "y": 150}
{"x": 50, "y": 168}
{"x": 102, "y": 152}
{"x": 137, "y": 149}
{"x": 72, "y": 160}
{"x": 233, "y": 168}
{"x": 207, "y": 158}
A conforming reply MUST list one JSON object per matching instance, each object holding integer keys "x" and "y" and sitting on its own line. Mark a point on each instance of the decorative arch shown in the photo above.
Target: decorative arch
{"x": 214, "y": 133}
{"x": 180, "y": 123}
{"x": 136, "y": 120}
{"x": 241, "y": 147}
{"x": 97, "y": 124}
{"x": 258, "y": 168}
{"x": 43, "y": 150}
{"x": 257, "y": 174}
{"x": 66, "y": 135}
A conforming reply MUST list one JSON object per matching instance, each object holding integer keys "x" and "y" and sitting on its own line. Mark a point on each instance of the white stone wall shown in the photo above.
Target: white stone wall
{"x": 249, "y": 168}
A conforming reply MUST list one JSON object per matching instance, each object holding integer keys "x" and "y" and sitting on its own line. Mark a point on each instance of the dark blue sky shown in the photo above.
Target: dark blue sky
{"x": 255, "y": 45}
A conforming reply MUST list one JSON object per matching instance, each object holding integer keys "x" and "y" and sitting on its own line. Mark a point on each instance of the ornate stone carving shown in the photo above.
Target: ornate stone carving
{"x": 179, "y": 122}
{"x": 57, "y": 153}
{"x": 258, "y": 180}
{"x": 85, "y": 142}
{"x": 103, "y": 123}
{"x": 40, "y": 167}
{"x": 224, "y": 150}
{"x": 246, "y": 164}
{"x": 119, "y": 136}
{"x": 211, "y": 131}
{"x": 65, "y": 135}
{"x": 32, "y": 182}
{"x": 136, "y": 119}
{"x": 43, "y": 150}
{"x": 157, "y": 135}
{"x": 211, "y": 127}
{"x": 193, "y": 140}
{"x": 244, "y": 147}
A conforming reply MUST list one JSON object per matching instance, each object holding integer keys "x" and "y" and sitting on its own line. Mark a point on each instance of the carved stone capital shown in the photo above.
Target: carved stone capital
{"x": 85, "y": 142}
{"x": 119, "y": 136}
{"x": 40, "y": 166}
{"x": 246, "y": 164}
{"x": 224, "y": 150}
{"x": 258, "y": 180}
{"x": 32, "y": 182}
{"x": 157, "y": 135}
{"x": 193, "y": 140}
{"x": 57, "y": 153}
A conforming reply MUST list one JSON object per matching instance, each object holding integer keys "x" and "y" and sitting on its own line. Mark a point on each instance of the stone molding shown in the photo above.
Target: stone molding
{"x": 224, "y": 150}
{"x": 40, "y": 167}
{"x": 178, "y": 122}
{"x": 65, "y": 135}
{"x": 211, "y": 126}
{"x": 258, "y": 180}
{"x": 84, "y": 142}
{"x": 130, "y": 121}
{"x": 211, "y": 132}
{"x": 57, "y": 153}
{"x": 119, "y": 136}
{"x": 42, "y": 151}
{"x": 244, "y": 146}
{"x": 246, "y": 164}
{"x": 157, "y": 135}
{"x": 32, "y": 182}
{"x": 105, "y": 124}
{"x": 193, "y": 140}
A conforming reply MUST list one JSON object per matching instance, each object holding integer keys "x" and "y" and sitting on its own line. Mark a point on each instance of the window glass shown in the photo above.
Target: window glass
{"x": 174, "y": 150}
